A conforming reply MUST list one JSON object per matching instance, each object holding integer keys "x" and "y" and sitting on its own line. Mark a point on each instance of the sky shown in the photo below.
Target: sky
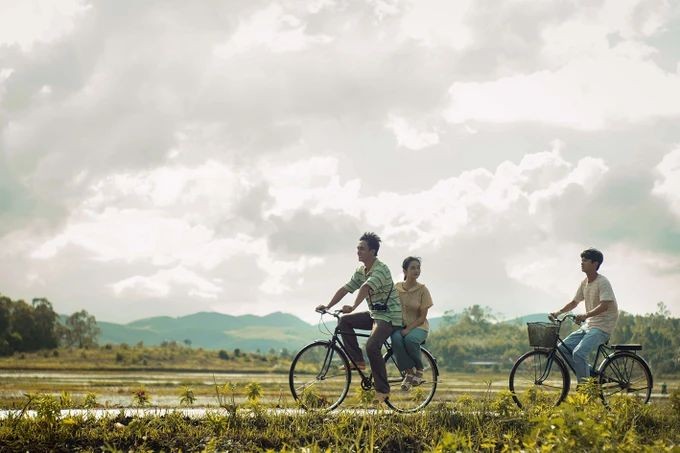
{"x": 165, "y": 158}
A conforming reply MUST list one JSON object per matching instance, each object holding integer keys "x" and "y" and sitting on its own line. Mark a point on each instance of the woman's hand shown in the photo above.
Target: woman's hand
{"x": 405, "y": 331}
{"x": 347, "y": 309}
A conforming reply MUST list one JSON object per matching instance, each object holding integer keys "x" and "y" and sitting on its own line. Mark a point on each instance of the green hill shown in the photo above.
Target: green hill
{"x": 215, "y": 331}
{"x": 220, "y": 331}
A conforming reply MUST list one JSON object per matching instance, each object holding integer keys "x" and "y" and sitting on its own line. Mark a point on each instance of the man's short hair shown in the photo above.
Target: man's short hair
{"x": 593, "y": 255}
{"x": 372, "y": 240}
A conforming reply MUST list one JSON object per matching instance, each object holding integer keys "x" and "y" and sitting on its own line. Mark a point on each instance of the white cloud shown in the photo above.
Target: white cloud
{"x": 476, "y": 199}
{"x": 221, "y": 155}
{"x": 668, "y": 185}
{"x": 586, "y": 93}
{"x": 130, "y": 235}
{"x": 640, "y": 289}
{"x": 206, "y": 190}
{"x": 589, "y": 31}
{"x": 163, "y": 282}
{"x": 28, "y": 22}
{"x": 284, "y": 275}
{"x": 640, "y": 278}
{"x": 165, "y": 216}
{"x": 313, "y": 184}
{"x": 168, "y": 217}
{"x": 409, "y": 136}
{"x": 551, "y": 267}
{"x": 5, "y": 73}
{"x": 599, "y": 71}
{"x": 438, "y": 23}
{"x": 469, "y": 201}
{"x": 271, "y": 28}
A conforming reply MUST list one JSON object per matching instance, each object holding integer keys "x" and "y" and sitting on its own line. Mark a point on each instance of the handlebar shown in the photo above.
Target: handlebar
{"x": 334, "y": 313}
{"x": 558, "y": 320}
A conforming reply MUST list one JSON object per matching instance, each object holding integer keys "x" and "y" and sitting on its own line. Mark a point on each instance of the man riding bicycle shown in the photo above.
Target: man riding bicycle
{"x": 374, "y": 282}
{"x": 600, "y": 317}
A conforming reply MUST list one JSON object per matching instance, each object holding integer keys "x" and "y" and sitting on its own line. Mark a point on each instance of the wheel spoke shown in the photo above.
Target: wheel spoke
{"x": 416, "y": 397}
{"x": 538, "y": 379}
{"x": 625, "y": 373}
{"x": 319, "y": 378}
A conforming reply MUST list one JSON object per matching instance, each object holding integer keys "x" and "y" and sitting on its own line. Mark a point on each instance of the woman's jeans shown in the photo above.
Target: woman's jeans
{"x": 407, "y": 348}
{"x": 582, "y": 342}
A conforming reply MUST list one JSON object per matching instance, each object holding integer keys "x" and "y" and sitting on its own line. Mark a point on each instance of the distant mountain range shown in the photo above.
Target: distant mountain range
{"x": 215, "y": 331}
{"x": 219, "y": 331}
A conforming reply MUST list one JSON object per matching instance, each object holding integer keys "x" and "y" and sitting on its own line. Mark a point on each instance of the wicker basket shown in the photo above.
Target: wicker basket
{"x": 543, "y": 334}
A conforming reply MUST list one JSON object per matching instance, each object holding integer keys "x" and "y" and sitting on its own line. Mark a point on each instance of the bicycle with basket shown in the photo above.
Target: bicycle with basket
{"x": 541, "y": 376}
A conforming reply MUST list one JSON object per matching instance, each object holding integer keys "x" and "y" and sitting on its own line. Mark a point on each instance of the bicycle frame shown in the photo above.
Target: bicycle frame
{"x": 601, "y": 351}
{"x": 337, "y": 365}
{"x": 337, "y": 340}
{"x": 611, "y": 368}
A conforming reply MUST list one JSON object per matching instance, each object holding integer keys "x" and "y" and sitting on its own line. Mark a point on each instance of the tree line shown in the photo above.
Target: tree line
{"x": 461, "y": 341}
{"x": 475, "y": 336}
{"x": 31, "y": 327}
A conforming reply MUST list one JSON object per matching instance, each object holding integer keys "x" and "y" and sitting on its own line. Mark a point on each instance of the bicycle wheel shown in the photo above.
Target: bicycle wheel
{"x": 539, "y": 378}
{"x": 416, "y": 397}
{"x": 319, "y": 376}
{"x": 625, "y": 374}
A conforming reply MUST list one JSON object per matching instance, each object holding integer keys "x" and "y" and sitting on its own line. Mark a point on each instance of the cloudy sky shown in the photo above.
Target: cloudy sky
{"x": 164, "y": 158}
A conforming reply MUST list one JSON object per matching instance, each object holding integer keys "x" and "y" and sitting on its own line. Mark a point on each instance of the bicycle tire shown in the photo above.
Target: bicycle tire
{"x": 627, "y": 374}
{"x": 319, "y": 376}
{"x": 415, "y": 398}
{"x": 538, "y": 378}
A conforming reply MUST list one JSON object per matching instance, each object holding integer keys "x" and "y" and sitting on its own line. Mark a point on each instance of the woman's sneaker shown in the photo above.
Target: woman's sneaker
{"x": 417, "y": 379}
{"x": 407, "y": 382}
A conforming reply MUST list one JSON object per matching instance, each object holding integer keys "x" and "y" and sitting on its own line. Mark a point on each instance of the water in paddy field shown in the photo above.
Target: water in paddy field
{"x": 114, "y": 389}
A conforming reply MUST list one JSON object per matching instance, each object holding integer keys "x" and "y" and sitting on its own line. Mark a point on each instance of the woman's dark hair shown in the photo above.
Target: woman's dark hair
{"x": 372, "y": 240}
{"x": 407, "y": 262}
{"x": 593, "y": 255}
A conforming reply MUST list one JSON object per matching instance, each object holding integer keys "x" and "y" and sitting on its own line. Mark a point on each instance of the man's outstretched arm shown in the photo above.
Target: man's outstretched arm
{"x": 569, "y": 307}
{"x": 339, "y": 294}
{"x": 361, "y": 295}
{"x": 601, "y": 308}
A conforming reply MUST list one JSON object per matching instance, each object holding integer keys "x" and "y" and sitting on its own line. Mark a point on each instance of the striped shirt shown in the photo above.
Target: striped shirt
{"x": 379, "y": 281}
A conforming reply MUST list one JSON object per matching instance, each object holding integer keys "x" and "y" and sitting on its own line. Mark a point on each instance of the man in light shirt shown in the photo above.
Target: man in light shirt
{"x": 599, "y": 319}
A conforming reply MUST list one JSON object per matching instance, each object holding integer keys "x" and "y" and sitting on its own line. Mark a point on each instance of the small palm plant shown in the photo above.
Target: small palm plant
{"x": 230, "y": 388}
{"x": 187, "y": 397}
{"x": 66, "y": 400}
{"x": 90, "y": 401}
{"x": 253, "y": 392}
